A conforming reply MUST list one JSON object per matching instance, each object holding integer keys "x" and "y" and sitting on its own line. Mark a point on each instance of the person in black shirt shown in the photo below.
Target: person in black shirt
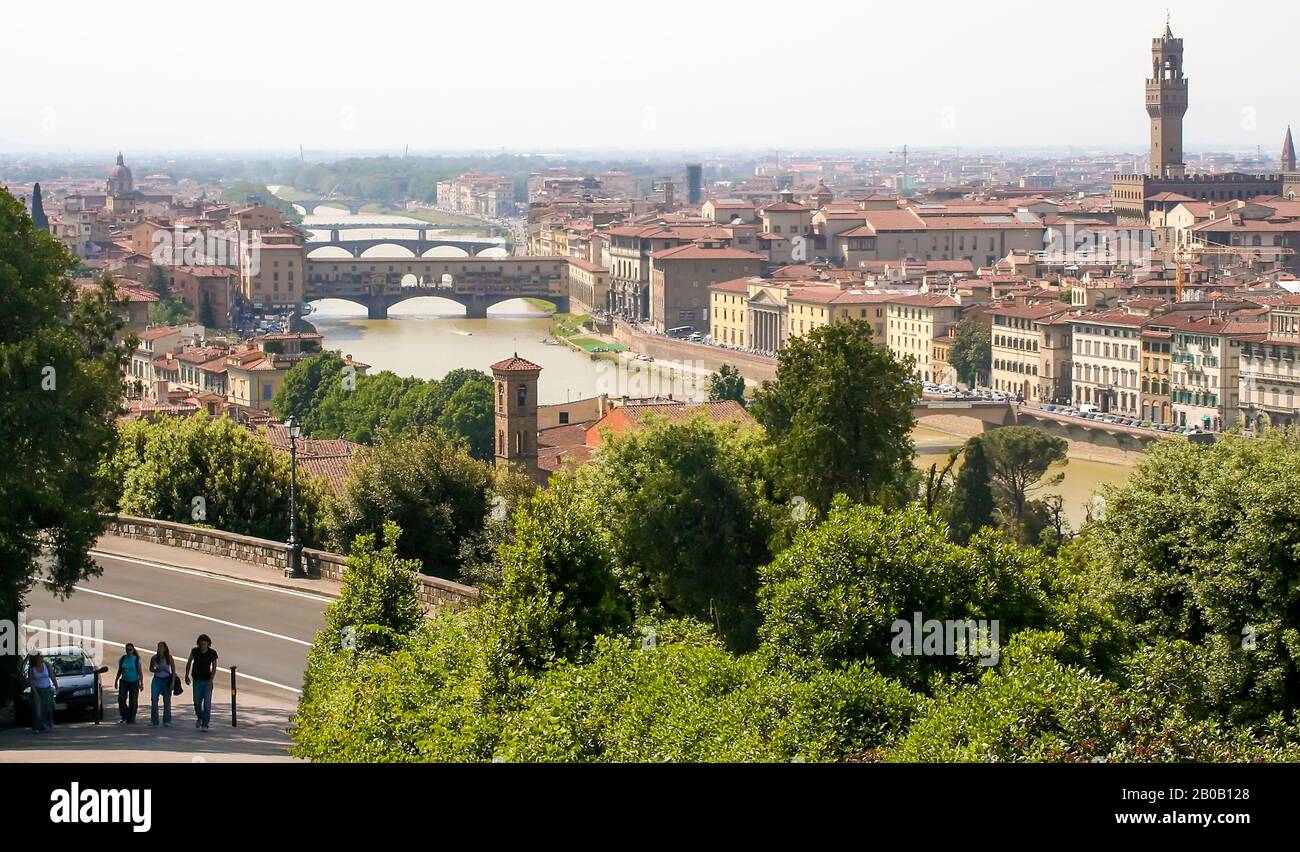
{"x": 202, "y": 666}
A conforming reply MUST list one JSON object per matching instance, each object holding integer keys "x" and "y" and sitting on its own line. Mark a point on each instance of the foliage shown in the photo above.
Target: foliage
{"x": 558, "y": 588}
{"x": 691, "y": 702}
{"x": 378, "y": 603}
{"x": 429, "y": 486}
{"x": 839, "y": 416}
{"x": 1036, "y": 708}
{"x": 686, "y": 509}
{"x": 60, "y": 392}
{"x": 835, "y": 595}
{"x": 971, "y": 505}
{"x": 726, "y": 384}
{"x": 971, "y": 354}
{"x": 241, "y": 483}
{"x": 331, "y": 402}
{"x": 246, "y": 192}
{"x": 1201, "y": 544}
{"x": 1018, "y": 459}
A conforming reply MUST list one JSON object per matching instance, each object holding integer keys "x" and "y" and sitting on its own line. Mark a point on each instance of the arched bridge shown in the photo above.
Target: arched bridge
{"x": 476, "y": 283}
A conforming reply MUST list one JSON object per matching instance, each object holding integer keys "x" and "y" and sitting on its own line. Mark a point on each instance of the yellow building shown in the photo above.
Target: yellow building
{"x": 814, "y": 306}
{"x": 913, "y": 324}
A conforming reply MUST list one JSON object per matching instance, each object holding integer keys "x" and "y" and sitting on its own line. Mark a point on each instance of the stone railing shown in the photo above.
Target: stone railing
{"x": 434, "y": 592}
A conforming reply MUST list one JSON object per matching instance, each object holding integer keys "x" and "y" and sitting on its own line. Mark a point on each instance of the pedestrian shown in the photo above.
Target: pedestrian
{"x": 43, "y": 681}
{"x": 128, "y": 681}
{"x": 202, "y": 665}
{"x": 164, "y": 675}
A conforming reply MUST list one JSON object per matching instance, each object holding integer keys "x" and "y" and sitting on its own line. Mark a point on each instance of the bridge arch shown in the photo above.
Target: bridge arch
{"x": 445, "y": 251}
{"x": 493, "y": 251}
{"x": 386, "y": 249}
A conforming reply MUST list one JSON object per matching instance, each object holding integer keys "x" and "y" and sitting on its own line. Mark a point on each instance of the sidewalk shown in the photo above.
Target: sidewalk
{"x": 261, "y": 737}
{"x": 206, "y": 563}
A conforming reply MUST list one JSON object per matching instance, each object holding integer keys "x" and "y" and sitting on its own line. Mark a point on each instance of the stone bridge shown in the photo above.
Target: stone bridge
{"x": 997, "y": 414}
{"x": 476, "y": 283}
{"x": 352, "y": 205}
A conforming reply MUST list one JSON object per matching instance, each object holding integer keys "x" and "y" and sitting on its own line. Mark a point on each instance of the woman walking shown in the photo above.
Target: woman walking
{"x": 128, "y": 681}
{"x": 43, "y": 681}
{"x": 164, "y": 680}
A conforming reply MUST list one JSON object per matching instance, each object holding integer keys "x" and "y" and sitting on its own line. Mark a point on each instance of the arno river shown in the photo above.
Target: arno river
{"x": 419, "y": 339}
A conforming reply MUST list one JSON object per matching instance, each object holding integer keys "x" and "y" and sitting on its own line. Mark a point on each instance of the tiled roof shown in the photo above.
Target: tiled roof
{"x": 515, "y": 364}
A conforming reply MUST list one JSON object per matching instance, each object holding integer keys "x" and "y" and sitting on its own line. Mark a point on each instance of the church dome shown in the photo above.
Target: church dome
{"x": 120, "y": 179}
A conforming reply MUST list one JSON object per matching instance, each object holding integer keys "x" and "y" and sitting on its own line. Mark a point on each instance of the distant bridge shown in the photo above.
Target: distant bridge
{"x": 418, "y": 245}
{"x": 352, "y": 205}
{"x": 997, "y": 414}
{"x": 476, "y": 283}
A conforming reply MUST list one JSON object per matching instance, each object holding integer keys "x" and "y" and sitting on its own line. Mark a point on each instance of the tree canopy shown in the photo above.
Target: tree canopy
{"x": 839, "y": 416}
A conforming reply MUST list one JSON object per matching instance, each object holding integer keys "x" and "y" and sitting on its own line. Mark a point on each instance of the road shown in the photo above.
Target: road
{"x": 264, "y": 630}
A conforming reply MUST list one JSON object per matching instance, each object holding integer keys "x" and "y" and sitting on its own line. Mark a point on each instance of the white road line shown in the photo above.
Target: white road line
{"x": 100, "y": 554}
{"x": 213, "y": 619}
{"x": 140, "y": 645}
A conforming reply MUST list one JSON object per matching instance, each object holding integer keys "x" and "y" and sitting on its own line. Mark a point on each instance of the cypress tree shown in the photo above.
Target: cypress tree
{"x": 39, "y": 218}
{"x": 971, "y": 506}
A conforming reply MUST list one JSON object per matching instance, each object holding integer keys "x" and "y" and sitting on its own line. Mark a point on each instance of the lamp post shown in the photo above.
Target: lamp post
{"x": 294, "y": 568}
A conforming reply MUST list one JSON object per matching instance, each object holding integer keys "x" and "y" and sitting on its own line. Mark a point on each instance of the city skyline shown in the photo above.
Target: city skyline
{"x": 1040, "y": 79}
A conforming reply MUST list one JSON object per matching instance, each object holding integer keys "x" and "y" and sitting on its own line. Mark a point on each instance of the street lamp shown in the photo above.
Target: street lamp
{"x": 294, "y": 568}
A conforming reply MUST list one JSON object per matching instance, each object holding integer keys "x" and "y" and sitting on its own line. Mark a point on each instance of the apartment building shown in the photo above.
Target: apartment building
{"x": 1269, "y": 370}
{"x": 1031, "y": 350}
{"x": 1157, "y": 373}
{"x": 1105, "y": 356}
{"x": 913, "y": 323}
{"x": 680, "y": 278}
{"x": 1206, "y": 356}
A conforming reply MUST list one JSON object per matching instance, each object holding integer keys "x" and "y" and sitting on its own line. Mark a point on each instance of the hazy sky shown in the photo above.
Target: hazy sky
{"x": 536, "y": 75}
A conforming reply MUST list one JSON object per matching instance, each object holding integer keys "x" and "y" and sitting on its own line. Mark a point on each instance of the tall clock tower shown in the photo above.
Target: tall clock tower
{"x": 1166, "y": 104}
{"x": 515, "y": 391}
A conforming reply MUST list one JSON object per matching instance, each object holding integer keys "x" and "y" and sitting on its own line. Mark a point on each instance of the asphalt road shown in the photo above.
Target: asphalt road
{"x": 265, "y": 631}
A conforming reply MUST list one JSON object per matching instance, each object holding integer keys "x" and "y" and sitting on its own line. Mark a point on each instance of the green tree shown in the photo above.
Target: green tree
{"x": 972, "y": 352}
{"x": 212, "y": 472}
{"x": 304, "y": 388}
{"x": 686, "y": 510}
{"x": 558, "y": 588}
{"x": 379, "y": 601}
{"x": 726, "y": 384}
{"x": 837, "y": 593}
{"x": 39, "y": 219}
{"x": 468, "y": 414}
{"x": 839, "y": 416}
{"x": 1200, "y": 544}
{"x": 971, "y": 505}
{"x": 1018, "y": 461}
{"x": 60, "y": 392}
{"x": 429, "y": 486}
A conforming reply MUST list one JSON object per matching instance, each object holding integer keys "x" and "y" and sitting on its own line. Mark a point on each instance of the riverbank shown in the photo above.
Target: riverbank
{"x": 962, "y": 428}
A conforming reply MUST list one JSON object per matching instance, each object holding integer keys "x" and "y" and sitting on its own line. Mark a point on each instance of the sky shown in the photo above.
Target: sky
{"x": 536, "y": 76}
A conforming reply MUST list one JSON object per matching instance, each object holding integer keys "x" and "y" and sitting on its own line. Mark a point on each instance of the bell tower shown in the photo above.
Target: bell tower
{"x": 515, "y": 407}
{"x": 1166, "y": 104}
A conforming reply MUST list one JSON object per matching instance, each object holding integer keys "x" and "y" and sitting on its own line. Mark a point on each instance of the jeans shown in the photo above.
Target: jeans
{"x": 128, "y": 699}
{"x": 42, "y": 708}
{"x": 203, "y": 701}
{"x": 160, "y": 686}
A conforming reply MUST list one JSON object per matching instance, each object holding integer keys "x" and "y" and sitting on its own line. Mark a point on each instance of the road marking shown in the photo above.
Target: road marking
{"x": 100, "y": 554}
{"x": 139, "y": 645}
{"x": 213, "y": 619}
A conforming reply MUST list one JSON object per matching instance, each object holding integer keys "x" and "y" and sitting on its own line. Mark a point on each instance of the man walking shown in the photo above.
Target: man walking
{"x": 202, "y": 666}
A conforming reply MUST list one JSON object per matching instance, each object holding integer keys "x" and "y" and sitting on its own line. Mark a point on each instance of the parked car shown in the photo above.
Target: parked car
{"x": 75, "y": 672}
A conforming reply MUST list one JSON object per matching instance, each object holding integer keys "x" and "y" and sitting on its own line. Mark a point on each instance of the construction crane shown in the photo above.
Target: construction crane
{"x": 1190, "y": 252}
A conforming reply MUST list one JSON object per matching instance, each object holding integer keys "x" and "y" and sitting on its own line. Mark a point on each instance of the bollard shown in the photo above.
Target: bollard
{"x": 234, "y": 693}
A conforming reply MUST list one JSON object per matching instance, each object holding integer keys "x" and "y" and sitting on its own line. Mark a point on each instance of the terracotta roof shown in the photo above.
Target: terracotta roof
{"x": 515, "y": 364}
